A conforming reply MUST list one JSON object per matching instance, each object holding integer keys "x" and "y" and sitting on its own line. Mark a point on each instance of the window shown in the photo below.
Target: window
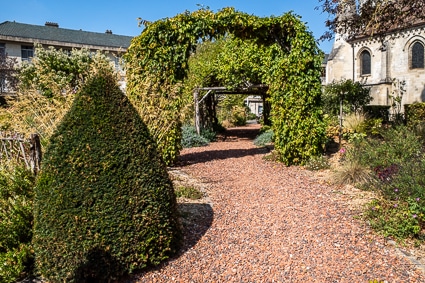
{"x": 260, "y": 109}
{"x": 365, "y": 62}
{"x": 2, "y": 74}
{"x": 2, "y": 49}
{"x": 417, "y": 56}
{"x": 27, "y": 52}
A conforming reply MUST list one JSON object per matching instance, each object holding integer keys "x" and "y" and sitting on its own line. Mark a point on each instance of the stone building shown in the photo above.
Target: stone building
{"x": 17, "y": 40}
{"x": 386, "y": 63}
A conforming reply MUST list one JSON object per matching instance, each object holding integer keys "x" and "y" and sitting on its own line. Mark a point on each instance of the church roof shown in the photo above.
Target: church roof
{"x": 52, "y": 32}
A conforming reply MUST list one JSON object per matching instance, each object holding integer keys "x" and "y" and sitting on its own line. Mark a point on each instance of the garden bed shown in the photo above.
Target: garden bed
{"x": 264, "y": 222}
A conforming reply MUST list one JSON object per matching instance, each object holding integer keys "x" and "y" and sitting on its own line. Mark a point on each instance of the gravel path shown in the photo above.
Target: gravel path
{"x": 271, "y": 223}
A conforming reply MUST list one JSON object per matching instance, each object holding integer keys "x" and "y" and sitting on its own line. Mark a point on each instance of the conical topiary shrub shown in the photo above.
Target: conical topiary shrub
{"x": 104, "y": 204}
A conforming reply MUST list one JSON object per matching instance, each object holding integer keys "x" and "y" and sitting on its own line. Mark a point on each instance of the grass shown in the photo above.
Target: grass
{"x": 352, "y": 173}
{"x": 188, "y": 192}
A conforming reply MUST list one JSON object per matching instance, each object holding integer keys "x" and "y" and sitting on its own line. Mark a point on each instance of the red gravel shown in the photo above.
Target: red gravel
{"x": 271, "y": 223}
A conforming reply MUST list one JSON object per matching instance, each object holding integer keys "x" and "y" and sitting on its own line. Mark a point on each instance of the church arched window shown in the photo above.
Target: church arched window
{"x": 417, "y": 56}
{"x": 366, "y": 62}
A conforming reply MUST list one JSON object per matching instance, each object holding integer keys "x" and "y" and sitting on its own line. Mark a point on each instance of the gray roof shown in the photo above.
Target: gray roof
{"x": 52, "y": 33}
{"x": 333, "y": 53}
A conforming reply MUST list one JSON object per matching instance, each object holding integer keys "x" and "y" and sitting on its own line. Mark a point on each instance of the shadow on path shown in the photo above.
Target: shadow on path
{"x": 196, "y": 219}
{"x": 231, "y": 135}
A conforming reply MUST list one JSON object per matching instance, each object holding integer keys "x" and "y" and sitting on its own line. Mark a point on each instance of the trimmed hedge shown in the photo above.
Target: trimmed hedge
{"x": 16, "y": 218}
{"x": 104, "y": 204}
{"x": 415, "y": 113}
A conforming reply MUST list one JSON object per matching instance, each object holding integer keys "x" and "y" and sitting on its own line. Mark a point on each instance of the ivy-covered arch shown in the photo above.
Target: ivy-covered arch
{"x": 158, "y": 67}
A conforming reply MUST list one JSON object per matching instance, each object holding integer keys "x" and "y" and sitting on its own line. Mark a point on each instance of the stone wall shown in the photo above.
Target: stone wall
{"x": 390, "y": 59}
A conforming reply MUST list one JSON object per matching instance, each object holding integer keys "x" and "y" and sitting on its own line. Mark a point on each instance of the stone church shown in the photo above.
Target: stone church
{"x": 386, "y": 63}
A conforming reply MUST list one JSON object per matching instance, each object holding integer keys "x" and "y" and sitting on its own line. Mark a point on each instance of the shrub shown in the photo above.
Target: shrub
{"x": 352, "y": 173}
{"x": 16, "y": 204}
{"x": 190, "y": 137}
{"x": 377, "y": 112}
{"x": 397, "y": 162}
{"x": 397, "y": 145}
{"x": 264, "y": 138}
{"x": 104, "y": 205}
{"x": 392, "y": 219}
{"x": 371, "y": 126}
{"x": 208, "y": 134}
{"x": 415, "y": 113}
{"x": 354, "y": 121}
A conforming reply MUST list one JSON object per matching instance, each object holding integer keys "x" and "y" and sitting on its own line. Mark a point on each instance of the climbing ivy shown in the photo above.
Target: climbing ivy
{"x": 282, "y": 52}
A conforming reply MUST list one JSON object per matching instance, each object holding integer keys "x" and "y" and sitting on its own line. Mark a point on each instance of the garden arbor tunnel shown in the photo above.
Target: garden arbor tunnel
{"x": 289, "y": 64}
{"x": 205, "y": 106}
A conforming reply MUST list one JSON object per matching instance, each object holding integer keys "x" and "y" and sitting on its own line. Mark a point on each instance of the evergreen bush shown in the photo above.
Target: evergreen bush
{"x": 264, "y": 138}
{"x": 104, "y": 204}
{"x": 415, "y": 114}
{"x": 16, "y": 217}
{"x": 190, "y": 137}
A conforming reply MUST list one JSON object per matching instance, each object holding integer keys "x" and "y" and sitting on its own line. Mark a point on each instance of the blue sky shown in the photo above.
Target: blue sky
{"x": 121, "y": 16}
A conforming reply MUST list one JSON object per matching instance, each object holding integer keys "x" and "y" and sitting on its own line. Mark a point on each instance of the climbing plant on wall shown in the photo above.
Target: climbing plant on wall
{"x": 289, "y": 63}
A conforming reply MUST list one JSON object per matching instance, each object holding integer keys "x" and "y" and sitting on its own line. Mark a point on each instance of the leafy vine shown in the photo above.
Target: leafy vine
{"x": 290, "y": 61}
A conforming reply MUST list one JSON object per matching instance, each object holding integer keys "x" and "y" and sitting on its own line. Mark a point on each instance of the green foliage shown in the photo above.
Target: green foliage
{"x": 397, "y": 162}
{"x": 354, "y": 95}
{"x": 415, "y": 114}
{"x": 47, "y": 88}
{"x": 191, "y": 137}
{"x": 188, "y": 192}
{"x": 264, "y": 138}
{"x": 397, "y": 145}
{"x": 317, "y": 163}
{"x": 56, "y": 72}
{"x": 281, "y": 53}
{"x": 392, "y": 219}
{"x": 371, "y": 126}
{"x": 16, "y": 218}
{"x": 104, "y": 205}
{"x": 236, "y": 116}
{"x": 377, "y": 112}
{"x": 295, "y": 95}
{"x": 209, "y": 134}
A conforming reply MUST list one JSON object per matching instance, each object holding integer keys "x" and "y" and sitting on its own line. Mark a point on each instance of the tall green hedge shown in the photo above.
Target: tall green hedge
{"x": 104, "y": 204}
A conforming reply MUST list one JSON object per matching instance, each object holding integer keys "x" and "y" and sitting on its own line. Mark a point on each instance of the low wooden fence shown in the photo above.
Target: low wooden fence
{"x": 14, "y": 146}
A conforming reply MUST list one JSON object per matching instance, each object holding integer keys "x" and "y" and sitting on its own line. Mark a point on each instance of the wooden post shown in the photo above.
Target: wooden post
{"x": 197, "y": 118}
{"x": 35, "y": 153}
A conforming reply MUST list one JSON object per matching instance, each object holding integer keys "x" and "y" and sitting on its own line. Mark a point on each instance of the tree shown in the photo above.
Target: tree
{"x": 47, "y": 86}
{"x": 354, "y": 96}
{"x": 345, "y": 97}
{"x": 8, "y": 73}
{"x": 370, "y": 17}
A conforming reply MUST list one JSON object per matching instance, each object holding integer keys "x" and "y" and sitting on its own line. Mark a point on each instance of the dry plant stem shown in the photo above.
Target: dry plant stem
{"x": 271, "y": 223}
